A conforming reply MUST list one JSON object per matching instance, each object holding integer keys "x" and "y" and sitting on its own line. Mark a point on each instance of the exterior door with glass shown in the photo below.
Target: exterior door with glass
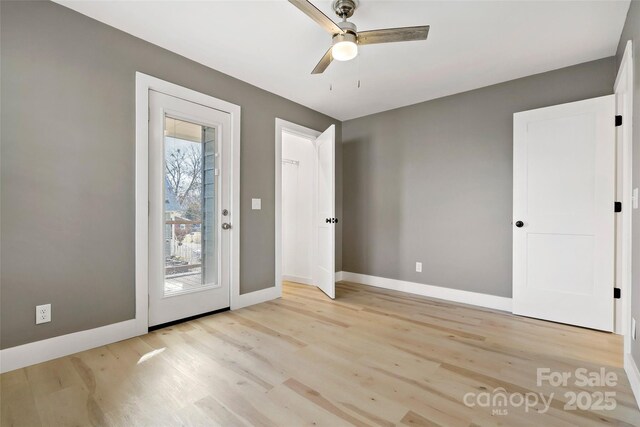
{"x": 189, "y": 209}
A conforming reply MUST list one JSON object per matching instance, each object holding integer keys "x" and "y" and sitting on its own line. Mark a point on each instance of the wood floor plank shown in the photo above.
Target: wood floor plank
{"x": 372, "y": 357}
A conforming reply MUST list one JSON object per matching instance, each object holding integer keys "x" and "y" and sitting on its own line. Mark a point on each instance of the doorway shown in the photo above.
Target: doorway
{"x": 189, "y": 209}
{"x": 305, "y": 206}
{"x": 298, "y": 199}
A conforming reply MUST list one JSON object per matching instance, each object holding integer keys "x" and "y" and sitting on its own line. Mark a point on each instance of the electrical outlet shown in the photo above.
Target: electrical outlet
{"x": 633, "y": 329}
{"x": 419, "y": 267}
{"x": 43, "y": 313}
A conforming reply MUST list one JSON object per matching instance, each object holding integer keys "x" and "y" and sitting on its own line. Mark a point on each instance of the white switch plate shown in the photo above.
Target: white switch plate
{"x": 256, "y": 204}
{"x": 43, "y": 313}
{"x": 419, "y": 267}
{"x": 634, "y": 198}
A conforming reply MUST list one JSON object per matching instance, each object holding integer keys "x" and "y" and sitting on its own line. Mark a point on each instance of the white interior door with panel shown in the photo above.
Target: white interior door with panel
{"x": 326, "y": 213}
{"x": 563, "y": 213}
{"x": 189, "y": 209}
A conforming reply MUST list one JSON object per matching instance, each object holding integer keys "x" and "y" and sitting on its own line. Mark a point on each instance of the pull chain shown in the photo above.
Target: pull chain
{"x": 359, "y": 56}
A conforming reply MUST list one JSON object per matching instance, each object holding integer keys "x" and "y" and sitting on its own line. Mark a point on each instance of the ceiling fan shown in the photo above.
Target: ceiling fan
{"x": 345, "y": 35}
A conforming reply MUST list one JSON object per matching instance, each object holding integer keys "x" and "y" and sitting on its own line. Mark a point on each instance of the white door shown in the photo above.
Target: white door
{"x": 563, "y": 213}
{"x": 189, "y": 203}
{"x": 326, "y": 213}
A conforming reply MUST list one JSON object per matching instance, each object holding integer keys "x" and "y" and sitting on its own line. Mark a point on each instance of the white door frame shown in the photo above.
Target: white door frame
{"x": 144, "y": 83}
{"x": 624, "y": 84}
{"x": 304, "y": 132}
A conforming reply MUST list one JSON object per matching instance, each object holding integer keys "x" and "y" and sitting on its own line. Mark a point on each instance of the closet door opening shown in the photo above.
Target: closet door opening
{"x": 305, "y": 206}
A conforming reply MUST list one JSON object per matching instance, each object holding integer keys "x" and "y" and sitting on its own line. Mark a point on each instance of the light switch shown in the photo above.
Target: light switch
{"x": 256, "y": 204}
{"x": 634, "y": 198}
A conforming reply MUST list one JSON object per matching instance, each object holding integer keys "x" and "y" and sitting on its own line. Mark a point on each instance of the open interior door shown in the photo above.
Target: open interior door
{"x": 325, "y": 212}
{"x": 563, "y": 207}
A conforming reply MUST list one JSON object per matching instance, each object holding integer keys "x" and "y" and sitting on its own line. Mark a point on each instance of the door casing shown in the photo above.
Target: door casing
{"x": 304, "y": 132}
{"x": 144, "y": 83}
{"x": 623, "y": 88}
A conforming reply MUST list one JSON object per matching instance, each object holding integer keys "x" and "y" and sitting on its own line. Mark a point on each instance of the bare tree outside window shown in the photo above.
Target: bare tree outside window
{"x": 184, "y": 174}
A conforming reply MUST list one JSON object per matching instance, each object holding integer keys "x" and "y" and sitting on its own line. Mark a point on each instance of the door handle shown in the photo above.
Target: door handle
{"x": 519, "y": 224}
{"x": 226, "y": 226}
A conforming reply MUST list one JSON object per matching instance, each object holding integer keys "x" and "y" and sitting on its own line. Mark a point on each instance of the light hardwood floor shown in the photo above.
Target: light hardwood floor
{"x": 370, "y": 358}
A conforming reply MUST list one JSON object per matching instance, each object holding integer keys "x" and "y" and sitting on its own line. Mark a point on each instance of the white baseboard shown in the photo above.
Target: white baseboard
{"x": 297, "y": 279}
{"x": 41, "y": 351}
{"x": 633, "y": 374}
{"x": 257, "y": 297}
{"x": 339, "y": 275}
{"x": 455, "y": 295}
{"x": 64, "y": 345}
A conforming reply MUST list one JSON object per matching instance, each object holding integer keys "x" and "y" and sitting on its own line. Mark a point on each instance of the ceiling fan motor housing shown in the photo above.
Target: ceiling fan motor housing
{"x": 347, "y": 26}
{"x": 348, "y": 36}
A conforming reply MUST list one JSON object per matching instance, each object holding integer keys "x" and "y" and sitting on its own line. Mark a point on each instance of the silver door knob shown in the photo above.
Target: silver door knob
{"x": 226, "y": 226}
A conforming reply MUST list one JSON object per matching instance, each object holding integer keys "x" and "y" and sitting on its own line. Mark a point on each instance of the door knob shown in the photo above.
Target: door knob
{"x": 226, "y": 226}
{"x": 519, "y": 224}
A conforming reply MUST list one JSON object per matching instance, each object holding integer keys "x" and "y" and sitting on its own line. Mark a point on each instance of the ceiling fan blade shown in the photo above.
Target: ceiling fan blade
{"x": 391, "y": 35}
{"x": 314, "y": 13}
{"x": 324, "y": 63}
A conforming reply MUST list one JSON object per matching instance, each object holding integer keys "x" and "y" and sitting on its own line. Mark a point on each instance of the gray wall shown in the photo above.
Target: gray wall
{"x": 631, "y": 31}
{"x": 67, "y": 163}
{"x": 432, "y": 182}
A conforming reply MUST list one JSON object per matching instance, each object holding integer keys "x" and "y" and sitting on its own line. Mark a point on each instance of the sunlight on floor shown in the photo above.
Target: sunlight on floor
{"x": 151, "y": 354}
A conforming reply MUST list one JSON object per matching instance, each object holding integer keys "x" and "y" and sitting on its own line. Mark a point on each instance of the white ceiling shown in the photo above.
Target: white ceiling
{"x": 471, "y": 44}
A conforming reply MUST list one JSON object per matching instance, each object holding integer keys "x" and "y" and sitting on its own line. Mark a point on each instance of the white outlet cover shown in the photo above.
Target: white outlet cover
{"x": 43, "y": 313}
{"x": 419, "y": 267}
{"x": 256, "y": 204}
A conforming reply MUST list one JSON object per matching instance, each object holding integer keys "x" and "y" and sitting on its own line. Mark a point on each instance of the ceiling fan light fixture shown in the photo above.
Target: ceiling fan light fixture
{"x": 344, "y": 51}
{"x": 344, "y": 47}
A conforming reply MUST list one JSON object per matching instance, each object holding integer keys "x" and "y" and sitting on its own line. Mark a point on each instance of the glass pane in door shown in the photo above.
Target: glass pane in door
{"x": 190, "y": 208}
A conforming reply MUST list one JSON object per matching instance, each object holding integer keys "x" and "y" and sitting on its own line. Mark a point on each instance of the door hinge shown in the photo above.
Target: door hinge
{"x": 617, "y": 206}
{"x": 616, "y": 293}
{"x": 618, "y": 120}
